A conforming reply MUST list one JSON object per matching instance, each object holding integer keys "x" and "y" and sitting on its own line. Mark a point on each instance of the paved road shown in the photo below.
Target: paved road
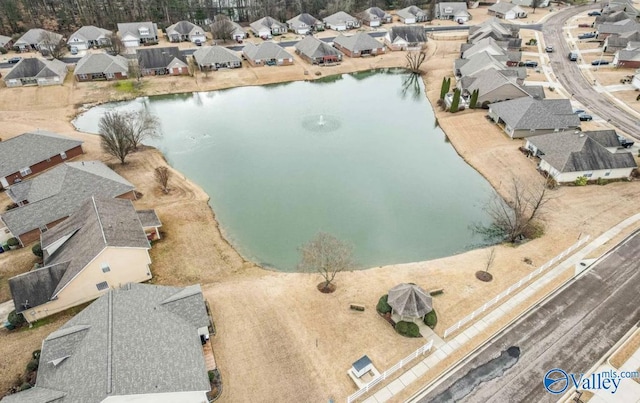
{"x": 571, "y": 331}
{"x": 575, "y": 83}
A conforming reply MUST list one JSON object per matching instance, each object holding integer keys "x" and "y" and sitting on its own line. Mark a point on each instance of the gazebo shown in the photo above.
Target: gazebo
{"x": 409, "y": 301}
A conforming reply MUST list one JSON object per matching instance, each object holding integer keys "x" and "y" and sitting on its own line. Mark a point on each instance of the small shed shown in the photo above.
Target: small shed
{"x": 409, "y": 301}
{"x": 362, "y": 366}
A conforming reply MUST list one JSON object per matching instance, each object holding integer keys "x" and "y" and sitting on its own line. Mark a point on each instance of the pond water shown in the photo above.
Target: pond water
{"x": 358, "y": 156}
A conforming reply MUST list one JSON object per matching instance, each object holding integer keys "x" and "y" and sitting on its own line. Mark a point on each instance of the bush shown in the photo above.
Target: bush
{"x": 37, "y": 250}
{"x": 36, "y": 354}
{"x": 602, "y": 181}
{"x": 3, "y": 50}
{"x": 16, "y": 319}
{"x": 25, "y": 386}
{"x": 408, "y": 329}
{"x": 13, "y": 241}
{"x": 431, "y": 319}
{"x": 383, "y": 306}
{"x": 32, "y": 365}
{"x": 581, "y": 181}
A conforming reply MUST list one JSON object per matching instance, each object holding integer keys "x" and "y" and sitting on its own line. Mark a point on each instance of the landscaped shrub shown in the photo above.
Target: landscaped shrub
{"x": 581, "y": 181}
{"x": 13, "y": 241}
{"x": 3, "y": 50}
{"x": 32, "y": 365}
{"x": 25, "y": 386}
{"x": 602, "y": 181}
{"x": 408, "y": 329}
{"x": 431, "y": 319}
{"x": 16, "y": 319}
{"x": 37, "y": 250}
{"x": 36, "y": 354}
{"x": 383, "y": 307}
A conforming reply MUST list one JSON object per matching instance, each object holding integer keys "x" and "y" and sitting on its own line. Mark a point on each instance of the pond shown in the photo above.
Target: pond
{"x": 358, "y": 156}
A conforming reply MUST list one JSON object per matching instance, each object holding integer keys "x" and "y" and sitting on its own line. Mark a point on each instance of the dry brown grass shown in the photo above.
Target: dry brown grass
{"x": 626, "y": 351}
{"x": 13, "y": 263}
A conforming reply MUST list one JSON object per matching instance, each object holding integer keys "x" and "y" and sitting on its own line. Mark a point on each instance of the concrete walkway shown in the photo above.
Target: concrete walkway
{"x": 5, "y": 309}
{"x": 629, "y": 389}
{"x": 447, "y": 347}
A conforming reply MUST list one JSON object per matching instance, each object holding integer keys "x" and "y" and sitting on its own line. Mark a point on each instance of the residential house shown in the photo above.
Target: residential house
{"x": 485, "y": 60}
{"x": 139, "y": 342}
{"x": 133, "y": 34}
{"x": 101, "y": 245}
{"x": 627, "y": 58}
{"x": 499, "y": 51}
{"x": 616, "y": 42}
{"x": 304, "y": 23}
{"x": 616, "y": 28}
{"x": 592, "y": 154}
{"x": 374, "y": 17}
{"x": 266, "y": 27}
{"x": 499, "y": 30}
{"x": 162, "y": 61}
{"x": 341, "y": 21}
{"x": 266, "y": 54}
{"x": 405, "y": 38}
{"x": 237, "y": 33}
{"x": 494, "y": 86}
{"x": 524, "y": 117}
{"x": 185, "y": 31}
{"x": 31, "y": 153}
{"x": 216, "y": 57}
{"x": 6, "y": 42}
{"x": 89, "y": 37}
{"x": 529, "y": 3}
{"x": 37, "y": 39}
{"x": 412, "y": 15}
{"x": 627, "y": 7}
{"x": 315, "y": 51}
{"x": 52, "y": 196}
{"x": 358, "y": 45}
{"x": 34, "y": 71}
{"x": 609, "y": 15}
{"x": 507, "y": 11}
{"x": 456, "y": 11}
{"x": 101, "y": 66}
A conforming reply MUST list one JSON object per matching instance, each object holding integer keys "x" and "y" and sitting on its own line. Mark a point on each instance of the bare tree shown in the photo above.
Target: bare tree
{"x": 115, "y": 138}
{"x": 162, "y": 177}
{"x": 490, "y": 259}
{"x": 192, "y": 66}
{"x": 326, "y": 255}
{"x": 223, "y": 29}
{"x": 415, "y": 60}
{"x": 516, "y": 218}
{"x": 115, "y": 45}
{"x": 535, "y": 4}
{"x": 52, "y": 43}
{"x": 134, "y": 70}
{"x": 143, "y": 125}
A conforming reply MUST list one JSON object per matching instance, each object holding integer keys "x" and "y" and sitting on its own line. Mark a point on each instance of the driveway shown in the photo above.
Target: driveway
{"x": 570, "y": 331}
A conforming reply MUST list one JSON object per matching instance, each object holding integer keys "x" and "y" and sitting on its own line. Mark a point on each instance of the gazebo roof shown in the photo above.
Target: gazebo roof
{"x": 409, "y": 300}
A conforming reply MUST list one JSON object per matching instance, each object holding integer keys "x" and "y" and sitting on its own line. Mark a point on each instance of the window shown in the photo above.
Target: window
{"x": 102, "y": 286}
{"x": 607, "y": 173}
{"x": 105, "y": 268}
{"x": 63, "y": 155}
{"x": 25, "y": 171}
{"x": 588, "y": 175}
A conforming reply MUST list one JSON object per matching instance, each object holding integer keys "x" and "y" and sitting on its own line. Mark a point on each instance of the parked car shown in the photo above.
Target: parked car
{"x": 584, "y": 117}
{"x": 585, "y": 25}
{"x": 270, "y": 63}
{"x": 587, "y": 35}
{"x": 594, "y": 13}
{"x": 198, "y": 42}
{"x": 599, "y": 62}
{"x": 14, "y": 60}
{"x": 624, "y": 142}
{"x": 530, "y": 63}
{"x": 578, "y": 111}
{"x": 573, "y": 56}
{"x": 73, "y": 50}
{"x": 549, "y": 49}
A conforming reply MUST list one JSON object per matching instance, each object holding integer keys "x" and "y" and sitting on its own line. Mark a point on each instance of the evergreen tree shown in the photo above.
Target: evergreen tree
{"x": 474, "y": 98}
{"x": 455, "y": 103}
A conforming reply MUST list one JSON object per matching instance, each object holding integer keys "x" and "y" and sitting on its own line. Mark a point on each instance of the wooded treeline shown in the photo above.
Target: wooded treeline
{"x": 65, "y": 16}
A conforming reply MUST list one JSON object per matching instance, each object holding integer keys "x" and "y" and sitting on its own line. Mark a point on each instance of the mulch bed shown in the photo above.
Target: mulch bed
{"x": 484, "y": 276}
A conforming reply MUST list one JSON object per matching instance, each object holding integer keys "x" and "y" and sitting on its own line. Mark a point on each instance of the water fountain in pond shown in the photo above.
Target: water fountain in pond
{"x": 320, "y": 123}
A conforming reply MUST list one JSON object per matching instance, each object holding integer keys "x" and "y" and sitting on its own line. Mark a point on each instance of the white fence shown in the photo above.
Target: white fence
{"x": 514, "y": 287}
{"x": 390, "y": 371}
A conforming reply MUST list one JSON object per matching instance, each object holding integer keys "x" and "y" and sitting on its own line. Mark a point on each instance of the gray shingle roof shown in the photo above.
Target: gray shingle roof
{"x": 39, "y": 68}
{"x": 339, "y": 18}
{"x": 531, "y": 114}
{"x": 30, "y": 148}
{"x": 629, "y": 55}
{"x": 34, "y": 37}
{"x": 314, "y": 48}
{"x": 131, "y": 28}
{"x": 410, "y": 300}
{"x": 101, "y": 63}
{"x": 184, "y": 28}
{"x": 358, "y": 42}
{"x": 239, "y": 31}
{"x": 451, "y": 8}
{"x": 35, "y": 395}
{"x": 155, "y": 58}
{"x": 214, "y": 54}
{"x": 4, "y": 40}
{"x": 265, "y": 51}
{"x": 618, "y": 27}
{"x": 267, "y": 22}
{"x": 583, "y": 151}
{"x": 89, "y": 33}
{"x": 149, "y": 218}
{"x": 409, "y": 34}
{"x": 59, "y": 192}
{"x": 303, "y": 18}
{"x": 71, "y": 245}
{"x": 128, "y": 342}
{"x": 490, "y": 80}
{"x": 374, "y": 13}
{"x": 481, "y": 61}
{"x": 484, "y": 45}
{"x": 504, "y": 7}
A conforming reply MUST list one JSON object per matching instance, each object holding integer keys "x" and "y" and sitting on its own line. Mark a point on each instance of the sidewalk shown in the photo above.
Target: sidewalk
{"x": 628, "y": 391}
{"x": 5, "y": 309}
{"x": 445, "y": 348}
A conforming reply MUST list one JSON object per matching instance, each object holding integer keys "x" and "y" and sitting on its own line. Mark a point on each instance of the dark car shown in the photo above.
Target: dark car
{"x": 584, "y": 117}
{"x": 594, "y": 13}
{"x": 578, "y": 111}
{"x": 587, "y": 35}
{"x": 14, "y": 60}
{"x": 599, "y": 62}
{"x": 530, "y": 63}
{"x": 198, "y": 42}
